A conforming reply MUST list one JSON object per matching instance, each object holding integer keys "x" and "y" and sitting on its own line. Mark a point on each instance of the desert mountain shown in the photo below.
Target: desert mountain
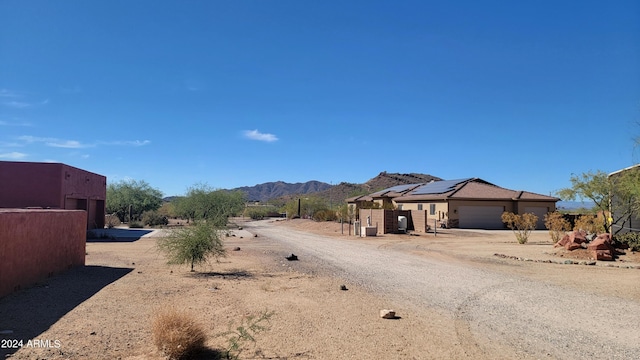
{"x": 283, "y": 192}
{"x": 272, "y": 190}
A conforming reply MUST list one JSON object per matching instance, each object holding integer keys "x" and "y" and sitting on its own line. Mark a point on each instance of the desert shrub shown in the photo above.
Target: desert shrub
{"x": 135, "y": 225}
{"x": 522, "y": 225}
{"x": 246, "y": 331}
{"x": 257, "y": 212}
{"x": 557, "y": 225}
{"x": 154, "y": 218}
{"x": 176, "y": 333}
{"x": 111, "y": 221}
{"x": 325, "y": 215}
{"x": 589, "y": 223}
{"x": 631, "y": 239}
{"x": 192, "y": 244}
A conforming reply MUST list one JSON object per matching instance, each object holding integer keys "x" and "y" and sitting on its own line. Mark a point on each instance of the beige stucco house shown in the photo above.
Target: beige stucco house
{"x": 470, "y": 203}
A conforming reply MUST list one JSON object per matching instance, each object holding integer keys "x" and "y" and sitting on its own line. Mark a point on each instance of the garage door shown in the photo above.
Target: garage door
{"x": 480, "y": 217}
{"x": 540, "y": 213}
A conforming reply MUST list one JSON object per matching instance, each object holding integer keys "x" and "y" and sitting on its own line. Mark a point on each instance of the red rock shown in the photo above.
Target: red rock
{"x": 578, "y": 237}
{"x": 572, "y": 246}
{"x": 603, "y": 255}
{"x": 563, "y": 242}
{"x": 600, "y": 244}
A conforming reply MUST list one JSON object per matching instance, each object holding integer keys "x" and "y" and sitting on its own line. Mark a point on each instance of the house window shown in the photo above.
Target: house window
{"x": 399, "y": 206}
{"x": 419, "y": 206}
{"x": 432, "y": 209}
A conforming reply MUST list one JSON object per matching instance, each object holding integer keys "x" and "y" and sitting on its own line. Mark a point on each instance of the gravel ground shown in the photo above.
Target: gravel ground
{"x": 495, "y": 313}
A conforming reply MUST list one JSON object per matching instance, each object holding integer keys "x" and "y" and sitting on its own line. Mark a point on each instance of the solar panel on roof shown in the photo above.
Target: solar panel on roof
{"x": 400, "y": 188}
{"x": 438, "y": 187}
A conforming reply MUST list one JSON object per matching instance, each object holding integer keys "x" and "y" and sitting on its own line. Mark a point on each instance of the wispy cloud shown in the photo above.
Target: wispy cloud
{"x": 13, "y": 123}
{"x": 15, "y": 99}
{"x": 17, "y": 104}
{"x": 5, "y": 93}
{"x": 257, "y": 135}
{"x": 74, "y": 144}
{"x": 13, "y": 155}
{"x": 54, "y": 142}
{"x": 127, "y": 142}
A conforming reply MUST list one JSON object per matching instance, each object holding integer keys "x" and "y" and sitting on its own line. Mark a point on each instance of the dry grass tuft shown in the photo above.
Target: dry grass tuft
{"x": 176, "y": 333}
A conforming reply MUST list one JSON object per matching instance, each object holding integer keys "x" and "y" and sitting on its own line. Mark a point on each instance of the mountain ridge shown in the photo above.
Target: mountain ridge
{"x": 283, "y": 191}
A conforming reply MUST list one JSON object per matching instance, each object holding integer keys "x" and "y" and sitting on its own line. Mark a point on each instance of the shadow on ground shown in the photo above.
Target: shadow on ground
{"x": 28, "y": 313}
{"x": 116, "y": 235}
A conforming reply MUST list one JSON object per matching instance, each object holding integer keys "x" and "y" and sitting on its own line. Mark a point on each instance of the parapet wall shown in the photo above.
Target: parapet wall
{"x": 36, "y": 244}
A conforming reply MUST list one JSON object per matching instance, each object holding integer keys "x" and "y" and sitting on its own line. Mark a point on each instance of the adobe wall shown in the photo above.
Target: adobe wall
{"x": 30, "y": 185}
{"x": 36, "y": 244}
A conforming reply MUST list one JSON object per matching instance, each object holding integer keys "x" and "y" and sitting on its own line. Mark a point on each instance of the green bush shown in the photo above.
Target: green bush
{"x": 154, "y": 218}
{"x": 325, "y": 215}
{"x": 257, "y": 212}
{"x": 631, "y": 239}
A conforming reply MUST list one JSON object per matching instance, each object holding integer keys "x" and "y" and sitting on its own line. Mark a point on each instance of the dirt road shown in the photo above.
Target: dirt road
{"x": 495, "y": 314}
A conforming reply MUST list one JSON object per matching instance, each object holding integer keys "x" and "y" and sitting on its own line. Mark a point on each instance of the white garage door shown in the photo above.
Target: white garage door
{"x": 540, "y": 213}
{"x": 480, "y": 217}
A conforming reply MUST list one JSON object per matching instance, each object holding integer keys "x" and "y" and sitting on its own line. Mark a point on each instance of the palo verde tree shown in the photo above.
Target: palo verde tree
{"x": 614, "y": 196}
{"x": 192, "y": 244}
{"x": 213, "y": 205}
{"x": 131, "y": 197}
{"x": 309, "y": 205}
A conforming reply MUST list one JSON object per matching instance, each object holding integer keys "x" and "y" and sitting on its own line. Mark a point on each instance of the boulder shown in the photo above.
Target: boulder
{"x": 602, "y": 248}
{"x": 578, "y": 236}
{"x": 563, "y": 242}
{"x": 602, "y": 255}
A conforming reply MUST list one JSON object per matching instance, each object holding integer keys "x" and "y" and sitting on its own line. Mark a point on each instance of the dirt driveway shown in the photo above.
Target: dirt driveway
{"x": 102, "y": 311}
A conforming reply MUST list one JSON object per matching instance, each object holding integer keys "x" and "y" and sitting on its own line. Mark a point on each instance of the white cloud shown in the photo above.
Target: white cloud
{"x": 67, "y": 144}
{"x": 127, "y": 142}
{"x": 74, "y": 144}
{"x": 53, "y": 142}
{"x": 13, "y": 155}
{"x": 17, "y": 104}
{"x": 256, "y": 135}
{"x": 9, "y": 93}
{"x": 8, "y": 123}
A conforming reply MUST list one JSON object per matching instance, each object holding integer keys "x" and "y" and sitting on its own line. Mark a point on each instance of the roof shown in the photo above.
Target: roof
{"x": 460, "y": 189}
{"x": 623, "y": 170}
{"x": 470, "y": 189}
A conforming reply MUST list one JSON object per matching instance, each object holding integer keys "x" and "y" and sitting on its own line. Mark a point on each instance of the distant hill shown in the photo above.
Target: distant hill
{"x": 575, "y": 205}
{"x": 272, "y": 190}
{"x": 281, "y": 192}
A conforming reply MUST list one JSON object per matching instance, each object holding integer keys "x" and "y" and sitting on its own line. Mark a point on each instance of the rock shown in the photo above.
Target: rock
{"x": 387, "y": 314}
{"x": 255, "y": 235}
{"x": 292, "y": 257}
{"x": 568, "y": 262}
{"x": 343, "y": 288}
{"x": 602, "y": 248}
{"x": 603, "y": 255}
{"x": 237, "y": 248}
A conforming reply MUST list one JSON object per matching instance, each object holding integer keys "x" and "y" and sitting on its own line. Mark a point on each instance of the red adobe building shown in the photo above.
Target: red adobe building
{"x": 53, "y": 186}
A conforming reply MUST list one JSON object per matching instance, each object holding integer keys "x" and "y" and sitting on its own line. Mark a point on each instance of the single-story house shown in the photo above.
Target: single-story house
{"x": 53, "y": 186}
{"x": 470, "y": 203}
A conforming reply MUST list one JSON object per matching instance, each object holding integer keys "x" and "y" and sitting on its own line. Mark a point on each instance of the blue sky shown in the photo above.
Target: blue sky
{"x": 237, "y": 93}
